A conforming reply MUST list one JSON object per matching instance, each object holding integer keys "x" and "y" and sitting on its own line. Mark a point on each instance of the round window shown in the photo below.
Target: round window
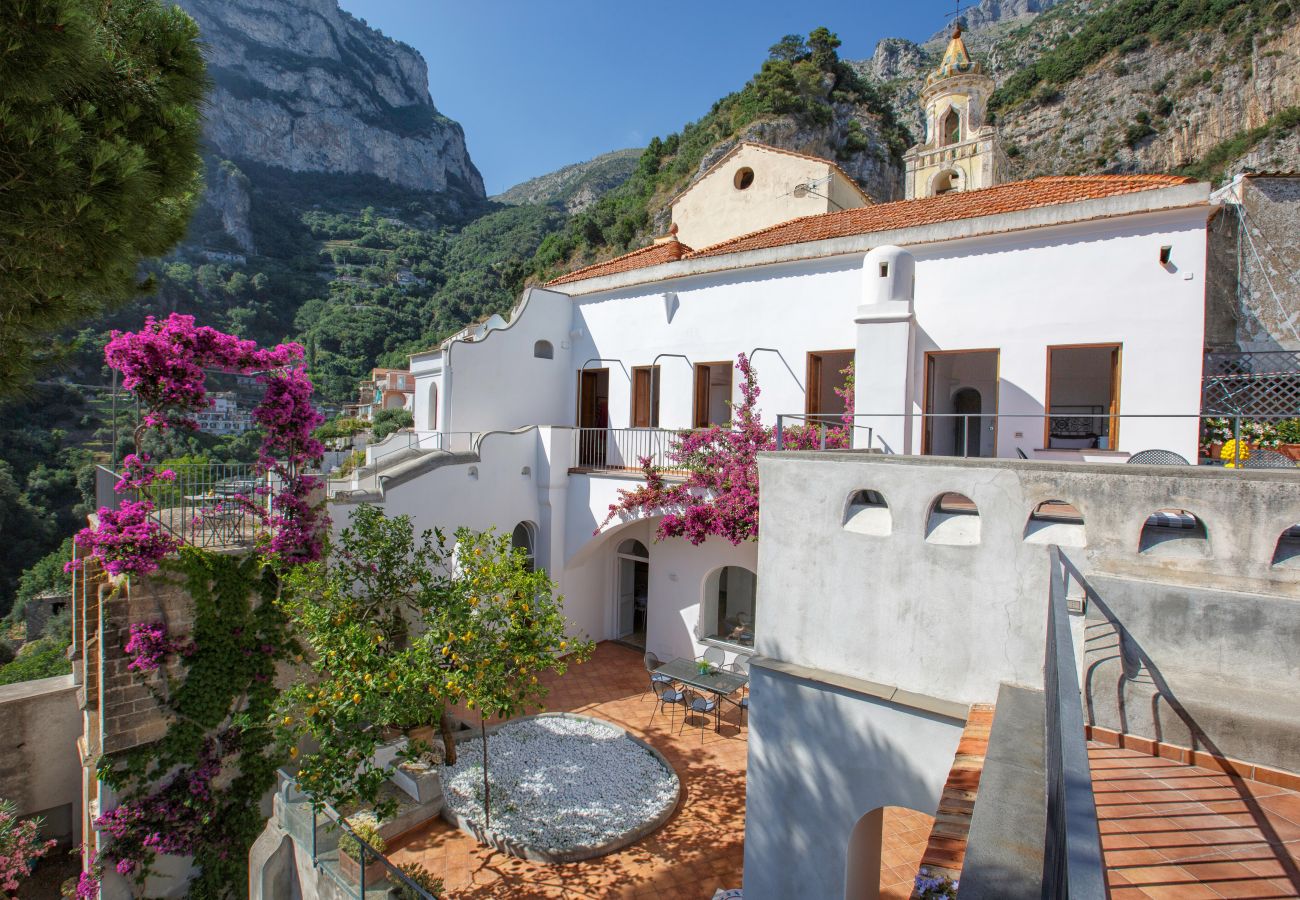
{"x": 744, "y": 178}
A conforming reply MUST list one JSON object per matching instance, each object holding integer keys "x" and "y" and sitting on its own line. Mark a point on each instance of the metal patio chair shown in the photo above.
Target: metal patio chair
{"x": 714, "y": 656}
{"x": 653, "y": 662}
{"x": 706, "y": 708}
{"x": 667, "y": 698}
{"x": 741, "y": 667}
{"x": 1158, "y": 458}
{"x": 1268, "y": 459}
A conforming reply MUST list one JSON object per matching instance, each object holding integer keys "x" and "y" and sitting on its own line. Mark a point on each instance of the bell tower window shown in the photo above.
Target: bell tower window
{"x": 946, "y": 182}
{"x": 950, "y": 127}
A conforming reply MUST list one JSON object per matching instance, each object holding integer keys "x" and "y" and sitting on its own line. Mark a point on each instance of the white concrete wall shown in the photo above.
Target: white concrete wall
{"x": 819, "y": 759}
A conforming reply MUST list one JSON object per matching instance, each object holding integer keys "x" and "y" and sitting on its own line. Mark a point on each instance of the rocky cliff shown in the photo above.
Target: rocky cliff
{"x": 302, "y": 85}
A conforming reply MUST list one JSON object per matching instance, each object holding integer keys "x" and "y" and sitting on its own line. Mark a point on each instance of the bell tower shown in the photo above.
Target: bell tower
{"x": 961, "y": 151}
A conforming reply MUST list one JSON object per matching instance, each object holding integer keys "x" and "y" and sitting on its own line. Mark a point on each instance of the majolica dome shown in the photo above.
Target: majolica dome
{"x": 956, "y": 60}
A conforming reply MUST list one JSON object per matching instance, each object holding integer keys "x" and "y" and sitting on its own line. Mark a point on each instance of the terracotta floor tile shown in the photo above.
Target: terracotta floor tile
{"x": 700, "y": 849}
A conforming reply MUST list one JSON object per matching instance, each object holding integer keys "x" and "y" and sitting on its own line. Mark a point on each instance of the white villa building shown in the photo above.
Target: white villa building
{"x": 1061, "y": 318}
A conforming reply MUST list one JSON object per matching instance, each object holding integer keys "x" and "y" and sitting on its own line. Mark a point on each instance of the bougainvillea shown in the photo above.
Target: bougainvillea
{"x": 719, "y": 496}
{"x": 20, "y": 846}
{"x": 148, "y": 645}
{"x": 165, "y": 364}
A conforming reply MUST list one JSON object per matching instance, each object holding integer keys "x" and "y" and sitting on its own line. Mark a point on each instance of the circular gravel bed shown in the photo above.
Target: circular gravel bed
{"x": 564, "y": 788}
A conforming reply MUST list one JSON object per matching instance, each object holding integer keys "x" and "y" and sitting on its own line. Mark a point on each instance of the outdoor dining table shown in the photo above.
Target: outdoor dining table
{"x": 715, "y": 681}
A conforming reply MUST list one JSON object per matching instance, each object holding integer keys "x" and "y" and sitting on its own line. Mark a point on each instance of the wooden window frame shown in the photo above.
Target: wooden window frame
{"x": 925, "y": 393}
{"x": 653, "y": 394}
{"x": 1116, "y": 374}
{"x": 701, "y": 389}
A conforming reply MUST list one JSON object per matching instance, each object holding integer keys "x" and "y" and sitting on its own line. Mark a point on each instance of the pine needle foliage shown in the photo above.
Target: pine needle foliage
{"x": 99, "y": 162}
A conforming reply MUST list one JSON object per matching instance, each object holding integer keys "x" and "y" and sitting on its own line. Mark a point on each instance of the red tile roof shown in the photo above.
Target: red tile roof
{"x": 1004, "y": 198}
{"x": 662, "y": 252}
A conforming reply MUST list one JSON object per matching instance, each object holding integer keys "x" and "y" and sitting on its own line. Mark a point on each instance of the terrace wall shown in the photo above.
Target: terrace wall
{"x": 1191, "y": 641}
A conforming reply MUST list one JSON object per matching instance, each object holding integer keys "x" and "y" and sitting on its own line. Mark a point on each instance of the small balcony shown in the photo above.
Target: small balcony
{"x": 216, "y": 506}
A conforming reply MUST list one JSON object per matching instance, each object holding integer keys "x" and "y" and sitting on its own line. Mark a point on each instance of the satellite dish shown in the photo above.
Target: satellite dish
{"x": 800, "y": 190}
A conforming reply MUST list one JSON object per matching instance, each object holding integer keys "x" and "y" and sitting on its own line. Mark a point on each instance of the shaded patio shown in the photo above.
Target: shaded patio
{"x": 700, "y": 849}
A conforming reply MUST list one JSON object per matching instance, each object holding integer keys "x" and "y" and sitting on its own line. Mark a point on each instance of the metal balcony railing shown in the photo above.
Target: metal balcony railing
{"x": 326, "y": 823}
{"x": 213, "y": 505}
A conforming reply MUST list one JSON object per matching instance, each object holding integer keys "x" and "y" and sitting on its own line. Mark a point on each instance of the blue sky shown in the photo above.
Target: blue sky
{"x": 538, "y": 84}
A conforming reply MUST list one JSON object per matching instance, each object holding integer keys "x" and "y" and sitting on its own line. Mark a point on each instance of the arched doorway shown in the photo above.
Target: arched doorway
{"x": 524, "y": 538}
{"x": 632, "y": 592}
{"x": 968, "y": 404}
{"x": 867, "y": 874}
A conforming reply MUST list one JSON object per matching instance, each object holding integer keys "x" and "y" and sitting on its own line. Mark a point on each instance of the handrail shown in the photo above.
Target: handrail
{"x": 395, "y": 875}
{"x": 1072, "y": 861}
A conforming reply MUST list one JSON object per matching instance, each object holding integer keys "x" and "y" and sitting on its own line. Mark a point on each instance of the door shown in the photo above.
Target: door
{"x": 961, "y": 399}
{"x": 712, "y": 394}
{"x": 645, "y": 397}
{"x": 633, "y": 594}
{"x": 593, "y": 416}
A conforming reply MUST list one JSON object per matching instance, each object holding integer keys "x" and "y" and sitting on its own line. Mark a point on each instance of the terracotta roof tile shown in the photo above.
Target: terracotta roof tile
{"x": 1004, "y": 198}
{"x": 653, "y": 255}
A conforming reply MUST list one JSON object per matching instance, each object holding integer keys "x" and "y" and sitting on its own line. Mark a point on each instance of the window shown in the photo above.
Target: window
{"x": 727, "y": 613}
{"x": 1083, "y": 397}
{"x": 744, "y": 178}
{"x": 950, "y": 128}
{"x": 645, "y": 397}
{"x": 523, "y": 538}
{"x": 825, "y": 376}
{"x": 544, "y": 350}
{"x": 712, "y": 394}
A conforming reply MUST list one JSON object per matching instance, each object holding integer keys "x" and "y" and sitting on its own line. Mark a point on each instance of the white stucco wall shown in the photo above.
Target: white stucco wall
{"x": 40, "y": 770}
{"x": 496, "y": 383}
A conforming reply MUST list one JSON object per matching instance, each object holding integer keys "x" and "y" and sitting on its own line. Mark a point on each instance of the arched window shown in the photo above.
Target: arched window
{"x": 727, "y": 613}
{"x": 633, "y": 547}
{"x": 950, "y": 127}
{"x": 524, "y": 538}
{"x": 947, "y": 182}
{"x": 544, "y": 350}
{"x": 433, "y": 408}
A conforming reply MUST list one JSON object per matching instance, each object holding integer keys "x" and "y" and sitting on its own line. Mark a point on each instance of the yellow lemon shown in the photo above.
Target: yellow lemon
{"x": 288, "y": 720}
{"x": 356, "y": 698}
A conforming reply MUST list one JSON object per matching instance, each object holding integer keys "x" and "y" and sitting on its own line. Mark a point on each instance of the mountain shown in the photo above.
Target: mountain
{"x": 575, "y": 187}
{"x": 1202, "y": 87}
{"x": 302, "y": 85}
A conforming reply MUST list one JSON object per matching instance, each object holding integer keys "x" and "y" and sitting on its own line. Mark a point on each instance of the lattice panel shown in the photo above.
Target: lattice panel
{"x": 1251, "y": 384}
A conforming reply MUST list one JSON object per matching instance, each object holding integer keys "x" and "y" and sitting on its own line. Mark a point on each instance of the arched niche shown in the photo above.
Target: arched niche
{"x": 1174, "y": 532}
{"x": 1056, "y": 522}
{"x": 524, "y": 537}
{"x": 867, "y": 512}
{"x": 954, "y": 519}
{"x": 544, "y": 350}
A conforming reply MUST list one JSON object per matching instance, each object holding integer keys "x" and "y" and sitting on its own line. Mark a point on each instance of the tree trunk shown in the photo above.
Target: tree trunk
{"x": 448, "y": 742}
{"x": 487, "y": 789}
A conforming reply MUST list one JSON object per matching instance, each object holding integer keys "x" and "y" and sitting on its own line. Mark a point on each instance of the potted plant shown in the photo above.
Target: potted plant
{"x": 1217, "y": 433}
{"x": 422, "y": 878}
{"x": 366, "y": 828}
{"x": 1288, "y": 435}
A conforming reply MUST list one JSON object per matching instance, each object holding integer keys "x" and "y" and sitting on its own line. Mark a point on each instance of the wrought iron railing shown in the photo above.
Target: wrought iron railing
{"x": 1259, "y": 383}
{"x": 1072, "y": 861}
{"x": 212, "y": 505}
{"x": 622, "y": 449}
{"x": 326, "y": 856}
